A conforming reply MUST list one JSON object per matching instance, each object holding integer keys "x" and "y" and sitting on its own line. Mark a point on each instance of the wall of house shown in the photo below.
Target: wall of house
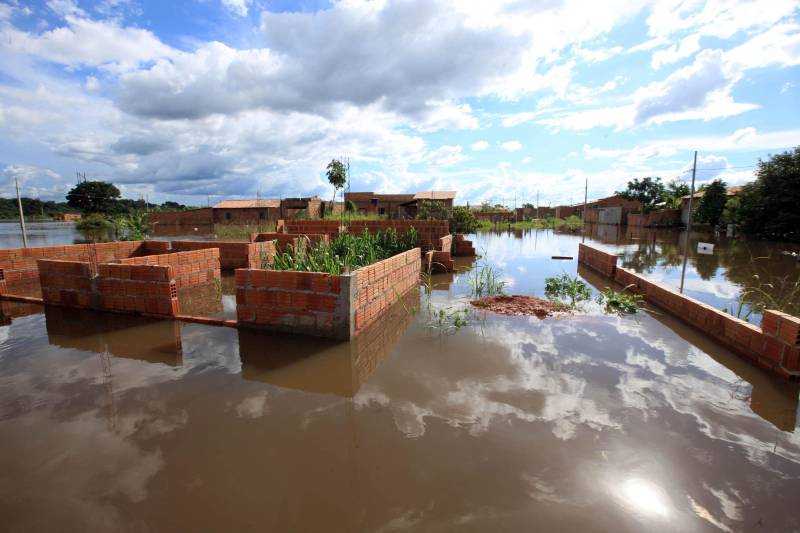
{"x": 775, "y": 345}
{"x": 246, "y": 215}
{"x": 232, "y": 254}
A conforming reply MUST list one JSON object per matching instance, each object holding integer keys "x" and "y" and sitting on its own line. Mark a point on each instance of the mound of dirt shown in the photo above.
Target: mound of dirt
{"x": 521, "y": 305}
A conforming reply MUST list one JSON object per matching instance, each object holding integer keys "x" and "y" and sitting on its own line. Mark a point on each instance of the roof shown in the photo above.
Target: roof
{"x": 435, "y": 195}
{"x": 730, "y": 191}
{"x": 244, "y": 204}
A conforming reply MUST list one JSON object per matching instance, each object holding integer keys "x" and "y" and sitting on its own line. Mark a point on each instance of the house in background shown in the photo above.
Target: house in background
{"x": 242, "y": 212}
{"x": 395, "y": 206}
{"x": 67, "y": 217}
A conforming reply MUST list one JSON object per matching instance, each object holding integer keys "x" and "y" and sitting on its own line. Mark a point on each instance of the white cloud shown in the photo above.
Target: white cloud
{"x": 446, "y": 156}
{"x": 511, "y": 146}
{"x": 479, "y": 146}
{"x": 687, "y": 47}
{"x": 239, "y": 7}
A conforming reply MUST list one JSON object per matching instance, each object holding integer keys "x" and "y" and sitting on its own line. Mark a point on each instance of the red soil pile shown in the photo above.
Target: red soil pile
{"x": 520, "y": 305}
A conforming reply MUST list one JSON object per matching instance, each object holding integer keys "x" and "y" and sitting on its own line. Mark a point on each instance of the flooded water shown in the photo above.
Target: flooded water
{"x": 586, "y": 423}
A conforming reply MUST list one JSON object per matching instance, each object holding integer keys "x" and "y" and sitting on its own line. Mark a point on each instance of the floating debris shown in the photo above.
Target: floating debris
{"x": 521, "y": 305}
{"x": 567, "y": 257}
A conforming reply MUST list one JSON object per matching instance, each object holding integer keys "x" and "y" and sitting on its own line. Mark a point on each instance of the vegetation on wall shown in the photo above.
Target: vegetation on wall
{"x": 348, "y": 252}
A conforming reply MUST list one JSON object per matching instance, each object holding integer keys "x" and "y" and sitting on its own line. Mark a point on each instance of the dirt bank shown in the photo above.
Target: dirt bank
{"x": 521, "y": 305}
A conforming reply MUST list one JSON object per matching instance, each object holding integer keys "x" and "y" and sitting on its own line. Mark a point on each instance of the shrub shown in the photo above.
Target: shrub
{"x": 566, "y": 287}
{"x": 463, "y": 220}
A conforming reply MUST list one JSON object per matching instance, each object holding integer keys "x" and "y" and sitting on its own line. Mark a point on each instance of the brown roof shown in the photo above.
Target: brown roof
{"x": 435, "y": 195}
{"x": 244, "y": 204}
{"x": 730, "y": 191}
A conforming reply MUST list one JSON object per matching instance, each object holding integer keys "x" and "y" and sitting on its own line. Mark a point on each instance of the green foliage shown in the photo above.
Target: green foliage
{"x": 565, "y": 287}
{"x": 237, "y": 232}
{"x": 93, "y": 196}
{"x": 712, "y": 204}
{"x": 433, "y": 210}
{"x": 336, "y": 172}
{"x": 92, "y": 222}
{"x": 674, "y": 193}
{"x": 462, "y": 220}
{"x": 768, "y": 207}
{"x": 621, "y": 303}
{"x": 484, "y": 280}
{"x": 348, "y": 215}
{"x": 648, "y": 191}
{"x": 731, "y": 213}
{"x": 347, "y": 252}
{"x": 448, "y": 321}
{"x": 528, "y": 205}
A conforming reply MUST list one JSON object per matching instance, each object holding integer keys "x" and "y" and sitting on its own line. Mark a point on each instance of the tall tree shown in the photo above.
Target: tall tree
{"x": 712, "y": 204}
{"x": 647, "y": 191}
{"x": 674, "y": 193}
{"x": 93, "y": 196}
{"x": 768, "y": 206}
{"x": 337, "y": 175}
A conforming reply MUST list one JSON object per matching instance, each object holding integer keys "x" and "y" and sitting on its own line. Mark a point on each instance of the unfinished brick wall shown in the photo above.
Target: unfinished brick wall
{"x": 147, "y": 289}
{"x": 289, "y": 238}
{"x": 324, "y": 305}
{"x": 775, "y": 345}
{"x": 19, "y": 264}
{"x": 66, "y": 283}
{"x": 188, "y": 268}
{"x": 379, "y": 285}
{"x": 463, "y": 247}
{"x": 232, "y": 254}
{"x": 331, "y": 228}
{"x": 297, "y": 302}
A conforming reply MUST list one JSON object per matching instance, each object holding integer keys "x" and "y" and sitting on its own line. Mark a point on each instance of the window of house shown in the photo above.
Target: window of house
{"x": 381, "y": 210}
{"x": 261, "y": 215}
{"x": 227, "y": 215}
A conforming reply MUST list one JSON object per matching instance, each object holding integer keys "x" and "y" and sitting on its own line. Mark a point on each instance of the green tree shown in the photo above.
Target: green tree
{"x": 433, "y": 210}
{"x": 647, "y": 191}
{"x": 93, "y": 197}
{"x": 768, "y": 206}
{"x": 463, "y": 220}
{"x": 712, "y": 204}
{"x": 337, "y": 175}
{"x": 674, "y": 193}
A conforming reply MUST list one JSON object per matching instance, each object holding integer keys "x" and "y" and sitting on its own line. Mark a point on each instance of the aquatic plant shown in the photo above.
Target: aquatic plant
{"x": 566, "y": 287}
{"x": 484, "y": 280}
{"x": 449, "y": 321}
{"x": 621, "y": 303}
{"x": 347, "y": 252}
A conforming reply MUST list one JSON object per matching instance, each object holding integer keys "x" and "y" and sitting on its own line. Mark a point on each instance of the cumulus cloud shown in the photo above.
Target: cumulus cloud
{"x": 479, "y": 146}
{"x": 511, "y": 146}
{"x": 239, "y": 7}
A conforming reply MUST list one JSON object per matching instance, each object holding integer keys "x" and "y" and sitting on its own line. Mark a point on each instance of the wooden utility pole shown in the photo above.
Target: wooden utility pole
{"x": 688, "y": 221}
{"x": 21, "y": 216}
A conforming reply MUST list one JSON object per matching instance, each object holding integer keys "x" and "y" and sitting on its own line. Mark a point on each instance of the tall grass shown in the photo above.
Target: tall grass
{"x": 484, "y": 280}
{"x": 347, "y": 252}
{"x": 241, "y": 232}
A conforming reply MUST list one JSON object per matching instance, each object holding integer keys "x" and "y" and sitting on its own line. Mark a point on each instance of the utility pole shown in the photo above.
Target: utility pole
{"x": 688, "y": 221}
{"x": 21, "y": 216}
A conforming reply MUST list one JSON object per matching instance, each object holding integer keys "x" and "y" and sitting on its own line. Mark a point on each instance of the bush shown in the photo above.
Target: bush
{"x": 463, "y": 220}
{"x": 95, "y": 221}
{"x": 432, "y": 210}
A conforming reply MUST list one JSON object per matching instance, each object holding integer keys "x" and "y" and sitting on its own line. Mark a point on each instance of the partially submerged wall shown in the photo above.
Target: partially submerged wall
{"x": 666, "y": 217}
{"x": 775, "y": 345}
{"x": 323, "y": 305}
{"x": 232, "y": 254}
{"x": 19, "y": 264}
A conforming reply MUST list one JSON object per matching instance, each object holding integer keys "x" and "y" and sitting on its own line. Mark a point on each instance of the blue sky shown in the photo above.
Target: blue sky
{"x": 211, "y": 99}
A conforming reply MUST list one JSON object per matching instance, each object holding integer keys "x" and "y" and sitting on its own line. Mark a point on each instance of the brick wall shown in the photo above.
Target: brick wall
{"x": 149, "y": 289}
{"x": 66, "y": 283}
{"x": 297, "y": 302}
{"x": 197, "y": 267}
{"x": 191, "y": 217}
{"x": 463, "y": 247}
{"x": 19, "y": 264}
{"x": 232, "y": 254}
{"x": 775, "y": 345}
{"x": 378, "y": 286}
{"x": 666, "y": 217}
{"x": 328, "y": 227}
{"x": 603, "y": 262}
{"x": 289, "y": 238}
{"x": 445, "y": 243}
{"x": 324, "y": 305}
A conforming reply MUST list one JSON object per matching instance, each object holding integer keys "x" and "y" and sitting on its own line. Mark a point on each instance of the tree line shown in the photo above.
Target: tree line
{"x": 766, "y": 208}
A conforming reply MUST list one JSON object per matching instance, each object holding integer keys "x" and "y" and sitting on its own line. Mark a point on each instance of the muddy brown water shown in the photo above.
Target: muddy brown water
{"x": 589, "y": 423}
